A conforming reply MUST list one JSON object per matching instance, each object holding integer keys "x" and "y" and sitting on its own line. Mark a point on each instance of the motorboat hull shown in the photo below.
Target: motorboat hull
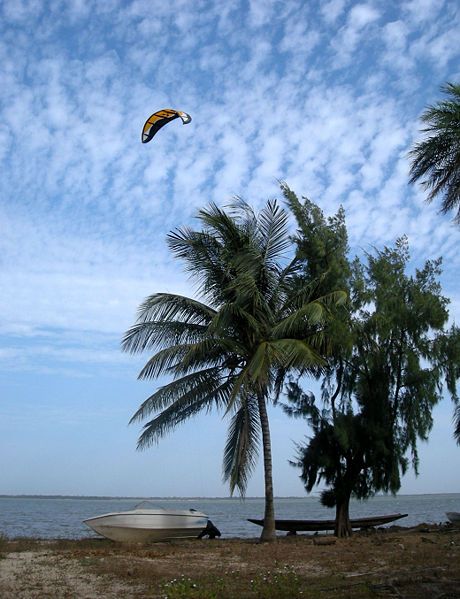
{"x": 149, "y": 525}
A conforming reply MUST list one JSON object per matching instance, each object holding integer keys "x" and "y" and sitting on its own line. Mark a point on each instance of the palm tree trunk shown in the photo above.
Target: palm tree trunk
{"x": 268, "y": 531}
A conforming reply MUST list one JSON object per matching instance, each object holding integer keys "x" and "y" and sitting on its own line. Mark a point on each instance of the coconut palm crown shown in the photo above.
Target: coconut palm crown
{"x": 436, "y": 159}
{"x": 231, "y": 349}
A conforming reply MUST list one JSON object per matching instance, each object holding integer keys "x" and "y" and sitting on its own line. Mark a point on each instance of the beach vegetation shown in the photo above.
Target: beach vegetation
{"x": 397, "y": 563}
{"x": 230, "y": 348}
{"x": 3, "y": 544}
{"x": 391, "y": 358}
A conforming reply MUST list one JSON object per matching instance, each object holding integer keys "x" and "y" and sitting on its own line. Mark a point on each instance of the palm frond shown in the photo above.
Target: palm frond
{"x": 243, "y": 212}
{"x": 259, "y": 366}
{"x": 301, "y": 322}
{"x": 231, "y": 319}
{"x": 273, "y": 226}
{"x": 250, "y": 298}
{"x": 296, "y": 354}
{"x": 308, "y": 315}
{"x": 223, "y": 225}
{"x": 167, "y": 318}
{"x": 436, "y": 159}
{"x": 205, "y": 260}
{"x": 209, "y": 351}
{"x": 146, "y": 336}
{"x": 242, "y": 388}
{"x": 169, "y": 306}
{"x": 181, "y": 410}
{"x": 163, "y": 361}
{"x": 242, "y": 447}
{"x": 185, "y": 388}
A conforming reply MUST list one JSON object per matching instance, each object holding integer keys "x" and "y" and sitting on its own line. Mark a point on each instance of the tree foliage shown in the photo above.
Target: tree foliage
{"x": 386, "y": 371}
{"x": 436, "y": 159}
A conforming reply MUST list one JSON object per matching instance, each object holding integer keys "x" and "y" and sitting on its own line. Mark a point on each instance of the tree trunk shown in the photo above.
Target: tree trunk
{"x": 342, "y": 517}
{"x": 268, "y": 531}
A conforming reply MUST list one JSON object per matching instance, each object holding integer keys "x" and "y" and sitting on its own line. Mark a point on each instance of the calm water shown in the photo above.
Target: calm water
{"x": 51, "y": 517}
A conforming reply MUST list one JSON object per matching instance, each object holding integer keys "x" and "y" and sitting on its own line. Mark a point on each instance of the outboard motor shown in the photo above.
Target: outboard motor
{"x": 210, "y": 531}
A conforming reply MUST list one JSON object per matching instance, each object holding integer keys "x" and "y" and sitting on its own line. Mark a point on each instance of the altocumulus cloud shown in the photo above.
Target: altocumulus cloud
{"x": 325, "y": 98}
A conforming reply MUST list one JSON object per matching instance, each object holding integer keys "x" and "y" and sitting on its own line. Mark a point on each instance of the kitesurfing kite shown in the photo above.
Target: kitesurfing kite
{"x": 159, "y": 119}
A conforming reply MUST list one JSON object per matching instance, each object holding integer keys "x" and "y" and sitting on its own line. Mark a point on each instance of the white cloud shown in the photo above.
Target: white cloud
{"x": 332, "y": 10}
{"x": 264, "y": 12}
{"x": 19, "y": 11}
{"x": 325, "y": 97}
{"x": 422, "y": 10}
{"x": 361, "y": 15}
{"x": 359, "y": 18}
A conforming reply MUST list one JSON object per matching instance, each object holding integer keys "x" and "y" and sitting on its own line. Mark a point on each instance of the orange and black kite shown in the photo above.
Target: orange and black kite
{"x": 161, "y": 118}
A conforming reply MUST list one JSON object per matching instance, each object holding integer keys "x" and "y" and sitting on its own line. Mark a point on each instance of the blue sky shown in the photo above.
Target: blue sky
{"x": 325, "y": 96}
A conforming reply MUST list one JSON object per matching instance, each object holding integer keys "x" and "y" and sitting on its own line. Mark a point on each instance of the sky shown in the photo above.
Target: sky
{"x": 323, "y": 95}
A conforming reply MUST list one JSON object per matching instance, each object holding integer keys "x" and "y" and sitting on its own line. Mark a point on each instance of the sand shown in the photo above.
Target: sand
{"x": 412, "y": 564}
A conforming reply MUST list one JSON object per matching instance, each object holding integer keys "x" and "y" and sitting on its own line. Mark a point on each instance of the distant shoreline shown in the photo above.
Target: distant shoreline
{"x": 194, "y": 497}
{"x": 168, "y": 497}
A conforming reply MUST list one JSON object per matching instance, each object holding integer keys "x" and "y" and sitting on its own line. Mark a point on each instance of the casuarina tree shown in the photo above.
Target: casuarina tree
{"x": 384, "y": 374}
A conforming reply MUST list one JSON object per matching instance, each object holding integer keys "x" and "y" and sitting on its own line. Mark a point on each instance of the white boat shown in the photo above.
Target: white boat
{"x": 146, "y": 523}
{"x": 454, "y": 517}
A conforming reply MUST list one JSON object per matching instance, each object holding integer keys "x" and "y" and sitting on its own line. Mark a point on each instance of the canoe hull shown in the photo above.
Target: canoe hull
{"x": 454, "y": 517}
{"x": 147, "y": 526}
{"x": 322, "y": 525}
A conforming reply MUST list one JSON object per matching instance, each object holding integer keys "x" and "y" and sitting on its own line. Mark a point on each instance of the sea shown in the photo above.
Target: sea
{"x": 59, "y": 517}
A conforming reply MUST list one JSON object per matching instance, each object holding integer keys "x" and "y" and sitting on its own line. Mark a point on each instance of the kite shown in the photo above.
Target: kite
{"x": 159, "y": 119}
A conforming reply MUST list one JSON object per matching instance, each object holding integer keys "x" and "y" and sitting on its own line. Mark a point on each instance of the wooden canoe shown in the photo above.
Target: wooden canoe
{"x": 318, "y": 525}
{"x": 454, "y": 517}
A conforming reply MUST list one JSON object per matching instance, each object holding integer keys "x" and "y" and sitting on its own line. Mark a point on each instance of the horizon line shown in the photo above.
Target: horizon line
{"x": 194, "y": 497}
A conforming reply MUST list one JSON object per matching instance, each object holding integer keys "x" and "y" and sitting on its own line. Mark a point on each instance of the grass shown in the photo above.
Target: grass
{"x": 400, "y": 563}
{"x": 3, "y": 545}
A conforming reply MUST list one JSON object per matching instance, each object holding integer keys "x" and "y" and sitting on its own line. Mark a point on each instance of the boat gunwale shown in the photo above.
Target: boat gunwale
{"x": 149, "y": 513}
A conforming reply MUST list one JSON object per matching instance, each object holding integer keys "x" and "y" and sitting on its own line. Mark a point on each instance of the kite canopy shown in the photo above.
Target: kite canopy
{"x": 159, "y": 119}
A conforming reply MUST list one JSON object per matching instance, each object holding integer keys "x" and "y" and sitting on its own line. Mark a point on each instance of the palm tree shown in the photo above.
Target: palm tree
{"x": 231, "y": 350}
{"x": 436, "y": 159}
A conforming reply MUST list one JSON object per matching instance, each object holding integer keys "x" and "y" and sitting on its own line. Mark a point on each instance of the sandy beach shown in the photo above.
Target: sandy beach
{"x": 408, "y": 563}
